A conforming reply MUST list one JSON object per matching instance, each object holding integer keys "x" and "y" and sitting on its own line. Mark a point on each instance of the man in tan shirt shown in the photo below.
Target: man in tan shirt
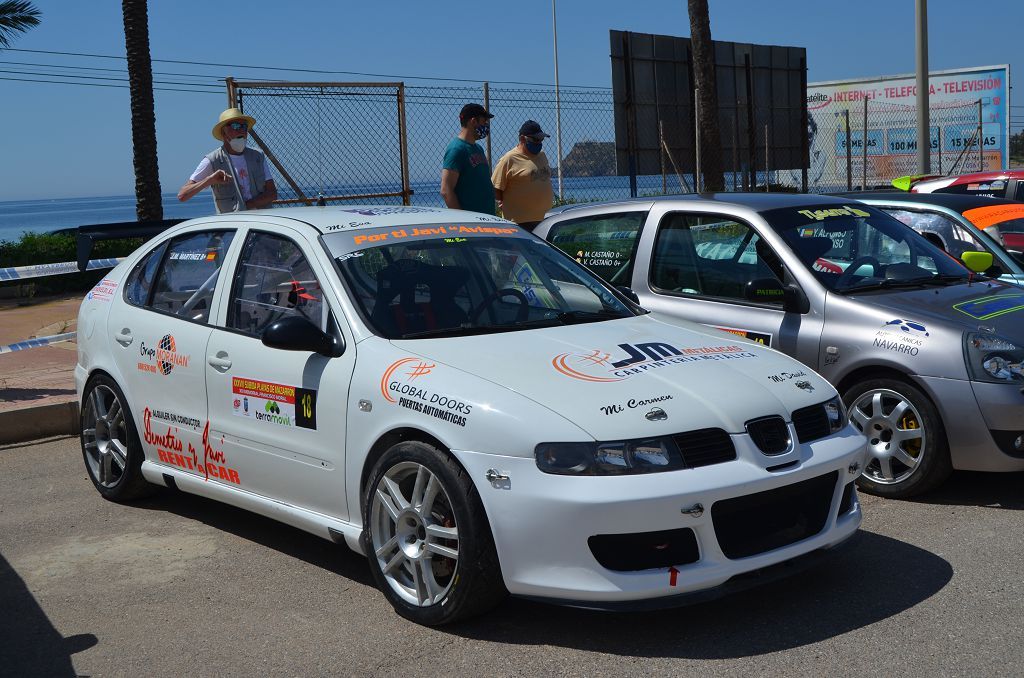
{"x": 522, "y": 179}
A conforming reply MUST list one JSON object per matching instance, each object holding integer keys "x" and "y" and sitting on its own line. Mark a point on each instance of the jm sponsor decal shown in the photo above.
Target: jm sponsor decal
{"x": 600, "y": 366}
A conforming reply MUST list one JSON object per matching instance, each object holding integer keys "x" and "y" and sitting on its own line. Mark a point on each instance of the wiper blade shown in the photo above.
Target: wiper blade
{"x": 461, "y": 331}
{"x": 575, "y": 317}
{"x": 940, "y": 280}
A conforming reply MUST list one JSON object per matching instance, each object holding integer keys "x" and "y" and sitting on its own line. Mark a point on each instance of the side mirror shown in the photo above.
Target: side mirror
{"x": 628, "y": 293}
{"x": 765, "y": 290}
{"x": 979, "y": 262}
{"x": 295, "y": 333}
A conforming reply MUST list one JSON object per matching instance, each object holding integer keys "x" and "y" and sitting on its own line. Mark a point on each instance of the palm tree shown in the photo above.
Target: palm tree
{"x": 16, "y": 16}
{"x": 140, "y": 82}
{"x": 707, "y": 101}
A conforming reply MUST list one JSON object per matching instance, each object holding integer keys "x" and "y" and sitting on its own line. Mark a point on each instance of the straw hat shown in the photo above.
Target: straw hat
{"x": 229, "y": 115}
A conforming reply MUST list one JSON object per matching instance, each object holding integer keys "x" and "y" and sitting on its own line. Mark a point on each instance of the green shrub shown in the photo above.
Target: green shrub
{"x": 50, "y": 248}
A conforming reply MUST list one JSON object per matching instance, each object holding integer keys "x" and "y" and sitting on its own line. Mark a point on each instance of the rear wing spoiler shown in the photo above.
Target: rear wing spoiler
{"x": 905, "y": 183}
{"x": 89, "y": 235}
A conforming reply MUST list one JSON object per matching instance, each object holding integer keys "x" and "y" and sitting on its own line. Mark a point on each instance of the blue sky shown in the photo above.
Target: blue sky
{"x": 62, "y": 140}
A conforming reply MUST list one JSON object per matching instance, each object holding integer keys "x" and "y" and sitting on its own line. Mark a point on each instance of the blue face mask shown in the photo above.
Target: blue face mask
{"x": 482, "y": 131}
{"x": 534, "y": 147}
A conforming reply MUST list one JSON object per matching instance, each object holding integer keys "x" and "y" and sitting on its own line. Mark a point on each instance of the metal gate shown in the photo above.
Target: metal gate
{"x": 330, "y": 141}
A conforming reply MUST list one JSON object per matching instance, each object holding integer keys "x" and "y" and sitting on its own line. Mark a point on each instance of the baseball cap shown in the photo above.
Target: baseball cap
{"x": 473, "y": 111}
{"x": 531, "y": 128}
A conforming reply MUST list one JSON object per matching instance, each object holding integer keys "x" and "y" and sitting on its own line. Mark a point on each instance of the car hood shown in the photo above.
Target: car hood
{"x": 994, "y": 306}
{"x": 636, "y": 377}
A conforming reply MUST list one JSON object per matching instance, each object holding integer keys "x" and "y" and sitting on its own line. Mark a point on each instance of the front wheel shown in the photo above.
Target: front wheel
{"x": 906, "y": 440}
{"x": 427, "y": 538}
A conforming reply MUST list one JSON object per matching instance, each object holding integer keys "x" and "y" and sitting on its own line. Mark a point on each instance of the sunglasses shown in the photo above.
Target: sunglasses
{"x": 239, "y": 126}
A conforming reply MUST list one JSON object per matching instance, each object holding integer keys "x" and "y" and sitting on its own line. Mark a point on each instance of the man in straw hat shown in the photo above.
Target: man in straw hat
{"x": 240, "y": 176}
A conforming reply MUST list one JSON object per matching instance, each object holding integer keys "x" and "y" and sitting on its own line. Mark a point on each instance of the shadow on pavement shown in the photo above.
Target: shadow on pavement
{"x": 291, "y": 541}
{"x": 29, "y": 643}
{"x": 858, "y": 587}
{"x": 972, "y": 488}
{"x": 26, "y": 394}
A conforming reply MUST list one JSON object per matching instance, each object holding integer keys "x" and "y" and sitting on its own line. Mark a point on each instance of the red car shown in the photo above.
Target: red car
{"x": 1008, "y": 184}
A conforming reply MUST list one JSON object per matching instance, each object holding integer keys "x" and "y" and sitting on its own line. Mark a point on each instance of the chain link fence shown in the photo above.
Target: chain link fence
{"x": 383, "y": 143}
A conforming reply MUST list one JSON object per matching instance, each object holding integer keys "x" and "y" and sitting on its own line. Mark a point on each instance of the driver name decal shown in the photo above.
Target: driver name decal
{"x": 599, "y": 366}
{"x": 822, "y": 214}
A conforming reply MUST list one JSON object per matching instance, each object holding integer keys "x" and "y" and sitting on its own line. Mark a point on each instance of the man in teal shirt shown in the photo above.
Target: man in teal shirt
{"x": 465, "y": 174}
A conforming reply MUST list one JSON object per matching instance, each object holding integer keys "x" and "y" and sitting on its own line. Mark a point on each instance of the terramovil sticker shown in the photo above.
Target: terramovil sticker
{"x": 600, "y": 366}
{"x": 103, "y": 291}
{"x": 902, "y": 336}
{"x": 404, "y": 383}
{"x": 986, "y": 308}
{"x": 275, "y": 404}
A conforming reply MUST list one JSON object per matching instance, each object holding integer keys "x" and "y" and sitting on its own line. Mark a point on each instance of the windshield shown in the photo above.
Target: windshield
{"x": 851, "y": 248}
{"x": 432, "y": 287}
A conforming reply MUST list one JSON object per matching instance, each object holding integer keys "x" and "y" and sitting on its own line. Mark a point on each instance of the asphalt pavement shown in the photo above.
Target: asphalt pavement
{"x": 180, "y": 585}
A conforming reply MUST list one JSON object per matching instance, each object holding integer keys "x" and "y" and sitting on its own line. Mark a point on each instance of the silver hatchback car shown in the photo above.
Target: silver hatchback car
{"x": 926, "y": 353}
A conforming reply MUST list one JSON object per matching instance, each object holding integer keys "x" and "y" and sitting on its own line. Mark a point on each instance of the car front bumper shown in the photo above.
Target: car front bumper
{"x": 543, "y": 524}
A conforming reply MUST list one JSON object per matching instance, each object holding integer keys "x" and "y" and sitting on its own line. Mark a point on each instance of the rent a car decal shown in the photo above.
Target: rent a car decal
{"x": 170, "y": 451}
{"x": 163, "y": 358}
{"x": 986, "y": 308}
{"x": 597, "y": 366}
{"x": 400, "y": 385}
{"x": 271, "y": 403}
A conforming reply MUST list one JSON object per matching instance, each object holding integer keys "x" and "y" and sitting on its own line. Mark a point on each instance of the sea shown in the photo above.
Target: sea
{"x": 42, "y": 216}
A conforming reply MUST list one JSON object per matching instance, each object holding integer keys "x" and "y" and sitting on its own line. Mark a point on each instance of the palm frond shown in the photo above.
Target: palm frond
{"x": 16, "y": 16}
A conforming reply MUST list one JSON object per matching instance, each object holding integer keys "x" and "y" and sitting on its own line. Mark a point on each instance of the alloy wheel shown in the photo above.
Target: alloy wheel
{"x": 105, "y": 436}
{"x": 414, "y": 534}
{"x": 895, "y": 435}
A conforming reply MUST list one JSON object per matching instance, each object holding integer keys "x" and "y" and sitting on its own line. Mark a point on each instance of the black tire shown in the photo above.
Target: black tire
{"x": 110, "y": 444}
{"x": 425, "y": 587}
{"x": 915, "y": 464}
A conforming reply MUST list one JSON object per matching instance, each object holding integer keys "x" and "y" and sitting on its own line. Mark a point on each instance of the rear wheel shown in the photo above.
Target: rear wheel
{"x": 427, "y": 537}
{"x": 110, "y": 444}
{"x": 906, "y": 440}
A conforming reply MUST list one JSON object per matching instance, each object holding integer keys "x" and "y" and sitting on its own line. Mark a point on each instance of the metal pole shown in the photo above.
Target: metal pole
{"x": 230, "y": 82}
{"x": 849, "y": 152}
{"x": 558, "y": 102}
{"x": 696, "y": 142}
{"x": 923, "y": 132}
{"x": 767, "y": 165}
{"x": 981, "y": 140}
{"x": 487, "y": 107}
{"x": 661, "y": 155}
{"x": 864, "y": 154}
{"x": 735, "y": 151}
{"x": 403, "y": 146}
{"x": 805, "y": 143}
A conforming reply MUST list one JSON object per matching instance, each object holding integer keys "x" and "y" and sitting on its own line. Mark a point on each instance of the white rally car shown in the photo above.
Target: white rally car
{"x": 461, "y": 402}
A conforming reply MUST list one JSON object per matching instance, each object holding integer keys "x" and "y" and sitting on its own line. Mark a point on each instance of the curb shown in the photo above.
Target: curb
{"x": 31, "y": 423}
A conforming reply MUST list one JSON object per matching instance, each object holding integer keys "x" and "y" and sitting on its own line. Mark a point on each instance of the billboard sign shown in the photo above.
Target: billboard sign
{"x": 890, "y": 134}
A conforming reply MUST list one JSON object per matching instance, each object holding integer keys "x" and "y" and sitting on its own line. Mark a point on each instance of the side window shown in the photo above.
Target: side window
{"x": 273, "y": 280}
{"x": 709, "y": 256}
{"x": 940, "y": 230}
{"x": 605, "y": 244}
{"x": 185, "y": 283}
{"x": 140, "y": 280}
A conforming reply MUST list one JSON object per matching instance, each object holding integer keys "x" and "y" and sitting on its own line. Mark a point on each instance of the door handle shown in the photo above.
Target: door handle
{"x": 124, "y": 337}
{"x": 219, "y": 362}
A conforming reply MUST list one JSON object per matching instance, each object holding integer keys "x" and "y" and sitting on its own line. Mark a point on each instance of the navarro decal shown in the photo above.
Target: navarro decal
{"x": 909, "y": 340}
{"x": 597, "y": 366}
{"x": 396, "y": 389}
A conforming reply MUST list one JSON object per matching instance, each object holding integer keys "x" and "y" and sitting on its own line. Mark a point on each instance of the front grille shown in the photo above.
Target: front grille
{"x": 645, "y": 550}
{"x": 811, "y": 423}
{"x": 756, "y": 523}
{"x": 770, "y": 434}
{"x": 705, "y": 447}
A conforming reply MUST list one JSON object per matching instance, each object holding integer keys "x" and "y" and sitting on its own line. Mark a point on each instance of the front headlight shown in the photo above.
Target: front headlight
{"x": 993, "y": 359}
{"x": 609, "y": 458}
{"x": 836, "y": 413}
